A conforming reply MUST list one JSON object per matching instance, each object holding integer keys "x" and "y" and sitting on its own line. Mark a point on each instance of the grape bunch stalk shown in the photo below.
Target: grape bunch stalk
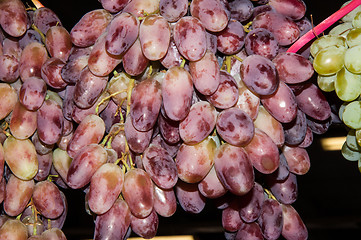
{"x": 149, "y": 106}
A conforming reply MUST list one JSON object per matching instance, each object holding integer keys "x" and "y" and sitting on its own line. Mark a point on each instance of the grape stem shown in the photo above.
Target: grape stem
{"x": 323, "y": 26}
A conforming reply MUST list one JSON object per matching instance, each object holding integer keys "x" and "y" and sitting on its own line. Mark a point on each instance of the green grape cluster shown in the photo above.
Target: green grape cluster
{"x": 336, "y": 59}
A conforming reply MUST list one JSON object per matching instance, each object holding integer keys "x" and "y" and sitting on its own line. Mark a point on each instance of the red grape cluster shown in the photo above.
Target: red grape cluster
{"x": 152, "y": 105}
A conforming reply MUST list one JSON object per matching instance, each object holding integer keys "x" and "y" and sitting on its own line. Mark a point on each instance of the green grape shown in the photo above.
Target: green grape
{"x": 326, "y": 83}
{"x": 341, "y": 29}
{"x": 326, "y": 41}
{"x": 356, "y": 21}
{"x": 351, "y": 141}
{"x": 352, "y": 115}
{"x": 358, "y": 136}
{"x": 349, "y": 154}
{"x": 353, "y": 37}
{"x": 352, "y": 59}
{"x": 341, "y": 109}
{"x": 329, "y": 60}
{"x": 347, "y": 85}
{"x": 348, "y": 17}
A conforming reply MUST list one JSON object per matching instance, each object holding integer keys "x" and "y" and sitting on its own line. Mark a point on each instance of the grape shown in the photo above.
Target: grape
{"x": 259, "y": 75}
{"x": 351, "y": 61}
{"x": 250, "y": 231}
{"x": 208, "y": 10}
{"x": 189, "y": 197}
{"x": 241, "y": 10}
{"x": 231, "y": 39}
{"x": 165, "y": 203}
{"x": 51, "y": 73}
{"x": 326, "y": 41}
{"x": 173, "y": 10}
{"x": 32, "y": 93}
{"x": 154, "y": 36}
{"x": 145, "y": 104}
{"x": 247, "y": 101}
{"x": 251, "y": 204}
{"x": 262, "y": 42}
{"x": 350, "y": 154}
{"x": 44, "y": 18}
{"x": 54, "y": 233}
{"x": 121, "y": 33}
{"x": 138, "y": 141}
{"x": 138, "y": 192}
{"x": 199, "y": 123}
{"x": 101, "y": 63}
{"x": 205, "y": 73}
{"x": 88, "y": 88}
{"x": 226, "y": 94}
{"x": 308, "y": 139}
{"x": 190, "y": 38}
{"x": 61, "y": 162}
{"x": 326, "y": 83}
{"x": 285, "y": 30}
{"x": 293, "y": 226}
{"x": 90, "y": 27}
{"x": 145, "y": 227}
{"x": 285, "y": 191}
{"x": 85, "y": 163}
{"x": 270, "y": 126}
{"x": 23, "y": 122}
{"x": 47, "y": 199}
{"x": 235, "y": 126}
{"x": 49, "y": 122}
{"x": 13, "y": 229}
{"x": 45, "y": 164}
{"x": 353, "y": 37}
{"x": 17, "y": 195}
{"x": 134, "y": 61}
{"x": 139, "y": 8}
{"x": 210, "y": 186}
{"x": 114, "y": 223}
{"x": 114, "y": 6}
{"x": 169, "y": 129}
{"x": 298, "y": 69}
{"x": 13, "y": 20}
{"x": 341, "y": 29}
{"x": 58, "y": 42}
{"x": 313, "y": 103}
{"x": 160, "y": 166}
{"x": 266, "y": 158}
{"x": 234, "y": 169}
{"x": 77, "y": 61}
{"x": 105, "y": 187}
{"x": 90, "y": 130}
{"x": 172, "y": 58}
{"x": 119, "y": 83}
{"x": 329, "y": 60}
{"x": 20, "y": 156}
{"x": 294, "y": 9}
{"x": 193, "y": 162}
{"x": 351, "y": 115}
{"x": 32, "y": 58}
{"x": 271, "y": 219}
{"x": 347, "y": 85}
{"x": 231, "y": 220}
{"x": 40, "y": 147}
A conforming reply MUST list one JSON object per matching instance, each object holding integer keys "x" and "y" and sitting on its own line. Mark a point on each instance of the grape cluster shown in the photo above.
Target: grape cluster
{"x": 152, "y": 105}
{"x": 336, "y": 60}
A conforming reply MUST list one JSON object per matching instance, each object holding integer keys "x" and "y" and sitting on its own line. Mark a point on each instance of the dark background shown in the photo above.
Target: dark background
{"x": 329, "y": 199}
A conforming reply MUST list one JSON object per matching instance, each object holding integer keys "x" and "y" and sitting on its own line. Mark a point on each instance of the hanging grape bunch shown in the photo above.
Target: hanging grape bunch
{"x": 152, "y": 107}
{"x": 341, "y": 75}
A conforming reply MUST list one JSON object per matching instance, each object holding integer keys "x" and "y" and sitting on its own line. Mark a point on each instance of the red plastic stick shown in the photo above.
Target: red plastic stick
{"x": 323, "y": 26}
{"x": 37, "y": 3}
